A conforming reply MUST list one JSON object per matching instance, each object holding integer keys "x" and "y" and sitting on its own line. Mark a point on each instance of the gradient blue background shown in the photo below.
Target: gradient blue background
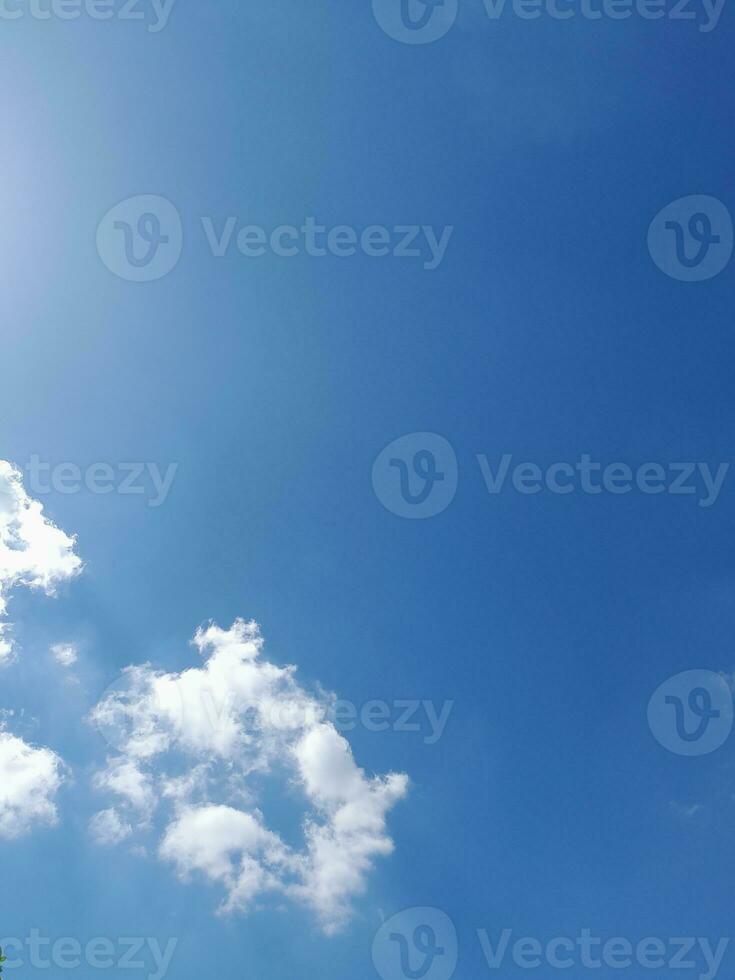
{"x": 273, "y": 383}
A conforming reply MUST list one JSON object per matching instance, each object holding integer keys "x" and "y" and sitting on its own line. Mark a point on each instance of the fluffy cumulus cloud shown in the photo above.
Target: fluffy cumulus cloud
{"x": 195, "y": 748}
{"x": 125, "y": 780}
{"x": 65, "y": 654}
{"x": 108, "y": 827}
{"x": 29, "y": 781}
{"x": 33, "y": 551}
{"x": 36, "y": 554}
{"x": 230, "y": 846}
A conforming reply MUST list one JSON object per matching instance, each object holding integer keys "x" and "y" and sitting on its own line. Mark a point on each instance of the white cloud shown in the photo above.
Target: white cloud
{"x": 65, "y": 654}
{"x": 352, "y": 831}
{"x": 207, "y": 737}
{"x": 228, "y": 846}
{"x": 29, "y": 781}
{"x": 107, "y": 827}
{"x": 123, "y": 778}
{"x": 33, "y": 551}
{"x": 686, "y": 810}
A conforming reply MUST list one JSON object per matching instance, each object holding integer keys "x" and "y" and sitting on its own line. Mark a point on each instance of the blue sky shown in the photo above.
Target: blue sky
{"x": 546, "y": 332}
